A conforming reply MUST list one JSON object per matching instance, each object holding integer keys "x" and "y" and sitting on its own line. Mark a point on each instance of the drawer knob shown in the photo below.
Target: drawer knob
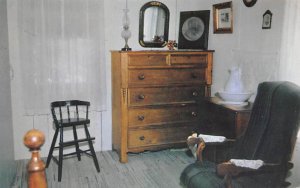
{"x": 141, "y": 97}
{"x": 195, "y": 93}
{"x": 141, "y": 77}
{"x": 194, "y": 75}
{"x": 141, "y": 117}
{"x": 194, "y": 114}
{"x": 142, "y": 138}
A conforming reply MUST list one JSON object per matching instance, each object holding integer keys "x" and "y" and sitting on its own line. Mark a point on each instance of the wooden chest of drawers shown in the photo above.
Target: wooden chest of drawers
{"x": 156, "y": 97}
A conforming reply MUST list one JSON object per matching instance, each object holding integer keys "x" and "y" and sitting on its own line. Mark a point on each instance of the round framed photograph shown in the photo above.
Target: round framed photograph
{"x": 249, "y": 3}
{"x": 192, "y": 28}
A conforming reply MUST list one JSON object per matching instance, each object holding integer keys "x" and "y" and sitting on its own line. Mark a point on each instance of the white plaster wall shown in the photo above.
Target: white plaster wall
{"x": 253, "y": 49}
{"x": 7, "y": 166}
{"x": 23, "y": 121}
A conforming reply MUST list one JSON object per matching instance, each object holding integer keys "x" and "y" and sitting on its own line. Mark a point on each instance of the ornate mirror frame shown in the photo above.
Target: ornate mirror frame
{"x": 159, "y": 43}
{"x": 249, "y": 3}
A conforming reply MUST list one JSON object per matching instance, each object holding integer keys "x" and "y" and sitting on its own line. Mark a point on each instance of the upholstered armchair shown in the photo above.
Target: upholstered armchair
{"x": 270, "y": 137}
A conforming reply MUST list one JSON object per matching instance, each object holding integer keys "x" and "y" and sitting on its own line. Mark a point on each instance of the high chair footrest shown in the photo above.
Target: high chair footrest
{"x": 73, "y": 142}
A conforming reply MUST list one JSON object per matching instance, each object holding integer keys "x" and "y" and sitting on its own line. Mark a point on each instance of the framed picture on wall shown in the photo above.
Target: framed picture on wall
{"x": 193, "y": 30}
{"x": 223, "y": 18}
{"x": 267, "y": 20}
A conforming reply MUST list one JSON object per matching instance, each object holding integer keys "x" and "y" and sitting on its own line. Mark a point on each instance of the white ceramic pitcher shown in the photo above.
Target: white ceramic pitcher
{"x": 234, "y": 83}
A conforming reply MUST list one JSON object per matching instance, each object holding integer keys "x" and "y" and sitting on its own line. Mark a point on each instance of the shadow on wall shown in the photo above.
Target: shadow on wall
{"x": 256, "y": 70}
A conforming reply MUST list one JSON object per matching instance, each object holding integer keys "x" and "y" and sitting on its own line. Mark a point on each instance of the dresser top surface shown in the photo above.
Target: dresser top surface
{"x": 163, "y": 51}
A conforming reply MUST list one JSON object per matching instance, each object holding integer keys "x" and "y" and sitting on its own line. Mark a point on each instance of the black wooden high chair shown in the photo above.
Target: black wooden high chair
{"x": 68, "y": 115}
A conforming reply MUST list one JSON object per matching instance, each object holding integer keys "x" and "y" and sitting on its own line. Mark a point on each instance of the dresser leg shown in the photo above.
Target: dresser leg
{"x": 123, "y": 157}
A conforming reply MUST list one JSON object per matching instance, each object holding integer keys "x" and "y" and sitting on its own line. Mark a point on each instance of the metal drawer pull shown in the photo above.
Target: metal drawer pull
{"x": 142, "y": 138}
{"x": 194, "y": 75}
{"x": 141, "y": 97}
{"x": 141, "y": 117}
{"x": 141, "y": 77}
{"x": 195, "y": 94}
{"x": 194, "y": 114}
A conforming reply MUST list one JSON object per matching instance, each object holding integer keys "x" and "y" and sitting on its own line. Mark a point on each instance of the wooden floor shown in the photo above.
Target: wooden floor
{"x": 145, "y": 170}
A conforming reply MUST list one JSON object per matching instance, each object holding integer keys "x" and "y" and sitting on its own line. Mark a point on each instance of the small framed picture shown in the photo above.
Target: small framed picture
{"x": 193, "y": 30}
{"x": 222, "y": 14}
{"x": 267, "y": 20}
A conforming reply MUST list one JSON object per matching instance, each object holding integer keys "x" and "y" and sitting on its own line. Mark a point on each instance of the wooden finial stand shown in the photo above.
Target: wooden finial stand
{"x": 34, "y": 139}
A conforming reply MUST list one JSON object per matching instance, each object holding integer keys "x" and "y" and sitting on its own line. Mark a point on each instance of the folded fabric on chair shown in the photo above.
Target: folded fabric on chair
{"x": 212, "y": 138}
{"x": 254, "y": 164}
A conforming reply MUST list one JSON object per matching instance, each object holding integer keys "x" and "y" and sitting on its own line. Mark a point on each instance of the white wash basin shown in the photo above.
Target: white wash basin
{"x": 235, "y": 97}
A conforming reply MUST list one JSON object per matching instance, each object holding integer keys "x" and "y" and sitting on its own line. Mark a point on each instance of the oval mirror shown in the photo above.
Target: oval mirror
{"x": 154, "y": 24}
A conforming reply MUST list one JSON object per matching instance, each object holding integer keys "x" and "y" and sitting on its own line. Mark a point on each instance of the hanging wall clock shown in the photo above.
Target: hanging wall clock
{"x": 249, "y": 3}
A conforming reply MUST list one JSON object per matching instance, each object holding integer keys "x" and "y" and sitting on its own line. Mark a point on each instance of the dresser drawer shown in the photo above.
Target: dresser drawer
{"x": 147, "y": 60}
{"x": 169, "y": 135}
{"x": 165, "y": 76}
{"x": 142, "y": 117}
{"x": 165, "y": 95}
{"x": 189, "y": 59}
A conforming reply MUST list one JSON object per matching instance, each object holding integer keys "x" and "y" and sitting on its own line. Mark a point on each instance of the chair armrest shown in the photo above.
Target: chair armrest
{"x": 276, "y": 168}
{"x": 221, "y": 143}
{"x": 227, "y": 168}
{"x": 194, "y": 139}
{"x": 197, "y": 145}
